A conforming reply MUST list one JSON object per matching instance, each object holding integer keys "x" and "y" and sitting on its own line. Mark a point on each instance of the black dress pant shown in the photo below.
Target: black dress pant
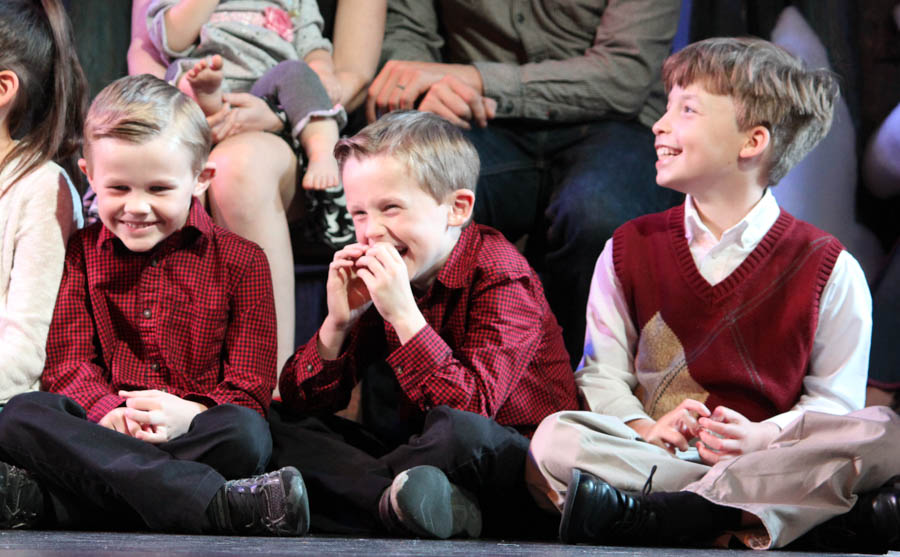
{"x": 346, "y": 466}
{"x": 99, "y": 478}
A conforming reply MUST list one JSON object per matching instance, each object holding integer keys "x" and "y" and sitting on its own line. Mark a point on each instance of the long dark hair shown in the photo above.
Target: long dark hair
{"x": 36, "y": 44}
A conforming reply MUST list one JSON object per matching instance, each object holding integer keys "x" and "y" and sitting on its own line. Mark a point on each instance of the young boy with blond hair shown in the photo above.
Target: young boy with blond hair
{"x": 726, "y": 356}
{"x": 161, "y": 353}
{"x": 445, "y": 326}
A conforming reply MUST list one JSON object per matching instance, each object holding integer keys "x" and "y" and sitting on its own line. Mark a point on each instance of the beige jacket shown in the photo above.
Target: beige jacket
{"x": 37, "y": 215}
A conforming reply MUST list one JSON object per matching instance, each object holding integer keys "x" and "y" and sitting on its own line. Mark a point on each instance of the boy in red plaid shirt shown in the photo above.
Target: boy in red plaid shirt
{"x": 161, "y": 352}
{"x": 447, "y": 330}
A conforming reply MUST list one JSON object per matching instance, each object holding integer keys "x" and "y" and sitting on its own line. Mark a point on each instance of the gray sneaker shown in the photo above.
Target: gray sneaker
{"x": 422, "y": 502}
{"x": 21, "y": 498}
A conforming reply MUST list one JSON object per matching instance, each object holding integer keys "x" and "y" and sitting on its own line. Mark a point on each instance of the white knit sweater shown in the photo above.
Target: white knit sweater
{"x": 37, "y": 216}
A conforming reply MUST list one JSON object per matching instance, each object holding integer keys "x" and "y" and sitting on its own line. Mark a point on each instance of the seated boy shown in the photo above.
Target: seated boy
{"x": 727, "y": 341}
{"x": 161, "y": 353}
{"x": 447, "y": 329}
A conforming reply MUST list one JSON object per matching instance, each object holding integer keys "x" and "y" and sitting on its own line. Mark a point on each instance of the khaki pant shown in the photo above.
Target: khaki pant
{"x": 811, "y": 472}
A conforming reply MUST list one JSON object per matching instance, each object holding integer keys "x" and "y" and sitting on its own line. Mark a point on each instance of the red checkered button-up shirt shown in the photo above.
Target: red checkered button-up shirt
{"x": 492, "y": 346}
{"x": 194, "y": 317}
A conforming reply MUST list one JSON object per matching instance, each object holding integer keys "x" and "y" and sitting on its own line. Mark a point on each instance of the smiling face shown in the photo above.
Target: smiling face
{"x": 698, "y": 143}
{"x": 387, "y": 205}
{"x": 143, "y": 189}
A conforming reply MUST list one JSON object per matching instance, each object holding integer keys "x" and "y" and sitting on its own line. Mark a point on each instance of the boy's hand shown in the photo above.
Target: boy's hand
{"x": 348, "y": 297}
{"x": 727, "y": 434}
{"x": 117, "y": 420}
{"x": 162, "y": 416}
{"x": 675, "y": 429}
{"x": 387, "y": 280}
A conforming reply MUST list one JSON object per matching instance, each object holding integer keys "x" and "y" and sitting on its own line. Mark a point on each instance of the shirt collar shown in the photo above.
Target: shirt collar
{"x": 459, "y": 265}
{"x": 747, "y": 232}
{"x": 198, "y": 225}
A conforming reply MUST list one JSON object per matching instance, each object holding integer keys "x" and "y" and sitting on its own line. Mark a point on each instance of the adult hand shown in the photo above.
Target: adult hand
{"x": 162, "y": 416}
{"x": 458, "y": 103}
{"x": 387, "y": 280}
{"x": 117, "y": 420}
{"x": 727, "y": 434}
{"x": 675, "y": 429}
{"x": 243, "y": 112}
{"x": 399, "y": 84}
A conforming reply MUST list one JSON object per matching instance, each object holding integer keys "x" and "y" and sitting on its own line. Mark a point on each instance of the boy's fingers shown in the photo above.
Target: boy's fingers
{"x": 722, "y": 428}
{"x": 140, "y": 394}
{"x": 146, "y": 417}
{"x": 143, "y": 403}
{"x": 695, "y": 406}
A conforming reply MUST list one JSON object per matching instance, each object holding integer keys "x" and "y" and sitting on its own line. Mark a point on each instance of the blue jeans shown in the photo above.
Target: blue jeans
{"x": 568, "y": 186}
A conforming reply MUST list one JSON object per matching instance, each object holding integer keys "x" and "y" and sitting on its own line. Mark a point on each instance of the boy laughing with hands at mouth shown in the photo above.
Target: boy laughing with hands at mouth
{"x": 445, "y": 328}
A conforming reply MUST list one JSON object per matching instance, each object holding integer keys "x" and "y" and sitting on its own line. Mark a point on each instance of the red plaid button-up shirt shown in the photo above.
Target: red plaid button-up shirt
{"x": 492, "y": 346}
{"x": 194, "y": 317}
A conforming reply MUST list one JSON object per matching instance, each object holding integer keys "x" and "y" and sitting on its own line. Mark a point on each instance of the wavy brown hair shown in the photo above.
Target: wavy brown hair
{"x": 770, "y": 88}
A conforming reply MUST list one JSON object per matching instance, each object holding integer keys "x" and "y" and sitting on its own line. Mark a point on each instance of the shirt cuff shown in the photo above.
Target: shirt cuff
{"x": 103, "y": 406}
{"x": 784, "y": 419}
{"x": 417, "y": 359}
{"x": 503, "y": 83}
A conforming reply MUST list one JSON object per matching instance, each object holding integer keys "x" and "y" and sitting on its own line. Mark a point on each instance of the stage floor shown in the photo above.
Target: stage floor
{"x": 102, "y": 544}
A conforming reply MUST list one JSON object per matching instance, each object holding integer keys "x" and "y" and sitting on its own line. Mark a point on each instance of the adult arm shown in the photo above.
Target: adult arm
{"x": 73, "y": 367}
{"x": 249, "y": 356}
{"x": 613, "y": 77}
{"x": 44, "y": 226}
{"x": 142, "y": 55}
{"x": 839, "y": 363}
{"x": 358, "y": 33}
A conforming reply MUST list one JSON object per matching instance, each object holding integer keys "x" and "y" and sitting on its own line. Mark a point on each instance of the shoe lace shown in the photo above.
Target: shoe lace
{"x": 639, "y": 513}
{"x": 253, "y": 504}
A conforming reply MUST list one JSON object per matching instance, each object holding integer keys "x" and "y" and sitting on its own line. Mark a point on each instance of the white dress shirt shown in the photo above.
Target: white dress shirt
{"x": 836, "y": 380}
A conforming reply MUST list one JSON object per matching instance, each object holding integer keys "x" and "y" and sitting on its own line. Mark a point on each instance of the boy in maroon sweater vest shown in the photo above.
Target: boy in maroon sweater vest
{"x": 727, "y": 342}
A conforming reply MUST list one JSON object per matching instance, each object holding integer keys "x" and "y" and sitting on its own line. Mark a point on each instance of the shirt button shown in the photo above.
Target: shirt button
{"x": 154, "y": 366}
{"x": 147, "y": 313}
{"x": 520, "y": 18}
{"x": 154, "y": 262}
{"x": 308, "y": 367}
{"x": 399, "y": 369}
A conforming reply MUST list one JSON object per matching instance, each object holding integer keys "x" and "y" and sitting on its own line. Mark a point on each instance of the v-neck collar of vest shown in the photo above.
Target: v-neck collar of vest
{"x": 721, "y": 290}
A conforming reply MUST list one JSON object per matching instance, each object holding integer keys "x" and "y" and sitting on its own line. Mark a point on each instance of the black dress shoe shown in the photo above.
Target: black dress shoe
{"x": 871, "y": 526}
{"x": 598, "y": 513}
{"x": 273, "y": 504}
{"x": 21, "y": 498}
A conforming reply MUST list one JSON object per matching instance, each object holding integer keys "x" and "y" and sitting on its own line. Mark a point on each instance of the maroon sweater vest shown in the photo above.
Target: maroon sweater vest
{"x": 744, "y": 343}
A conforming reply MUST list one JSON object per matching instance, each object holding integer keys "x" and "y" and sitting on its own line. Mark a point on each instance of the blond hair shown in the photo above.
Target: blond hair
{"x": 435, "y": 152}
{"x": 138, "y": 108}
{"x": 770, "y": 88}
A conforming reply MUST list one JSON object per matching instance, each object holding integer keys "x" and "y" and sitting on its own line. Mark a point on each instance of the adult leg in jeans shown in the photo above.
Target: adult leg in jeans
{"x": 101, "y": 478}
{"x": 569, "y": 186}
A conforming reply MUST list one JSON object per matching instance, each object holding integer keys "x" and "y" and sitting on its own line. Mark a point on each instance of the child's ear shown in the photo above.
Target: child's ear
{"x": 758, "y": 139}
{"x": 205, "y": 177}
{"x": 9, "y": 86}
{"x": 83, "y": 166}
{"x": 461, "y": 203}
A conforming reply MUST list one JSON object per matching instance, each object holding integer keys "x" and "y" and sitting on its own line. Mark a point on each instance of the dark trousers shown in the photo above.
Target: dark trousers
{"x": 98, "y": 478}
{"x": 568, "y": 186}
{"x": 346, "y": 468}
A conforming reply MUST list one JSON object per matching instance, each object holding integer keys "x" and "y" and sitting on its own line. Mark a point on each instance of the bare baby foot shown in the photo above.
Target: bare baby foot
{"x": 205, "y": 79}
{"x": 321, "y": 172}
